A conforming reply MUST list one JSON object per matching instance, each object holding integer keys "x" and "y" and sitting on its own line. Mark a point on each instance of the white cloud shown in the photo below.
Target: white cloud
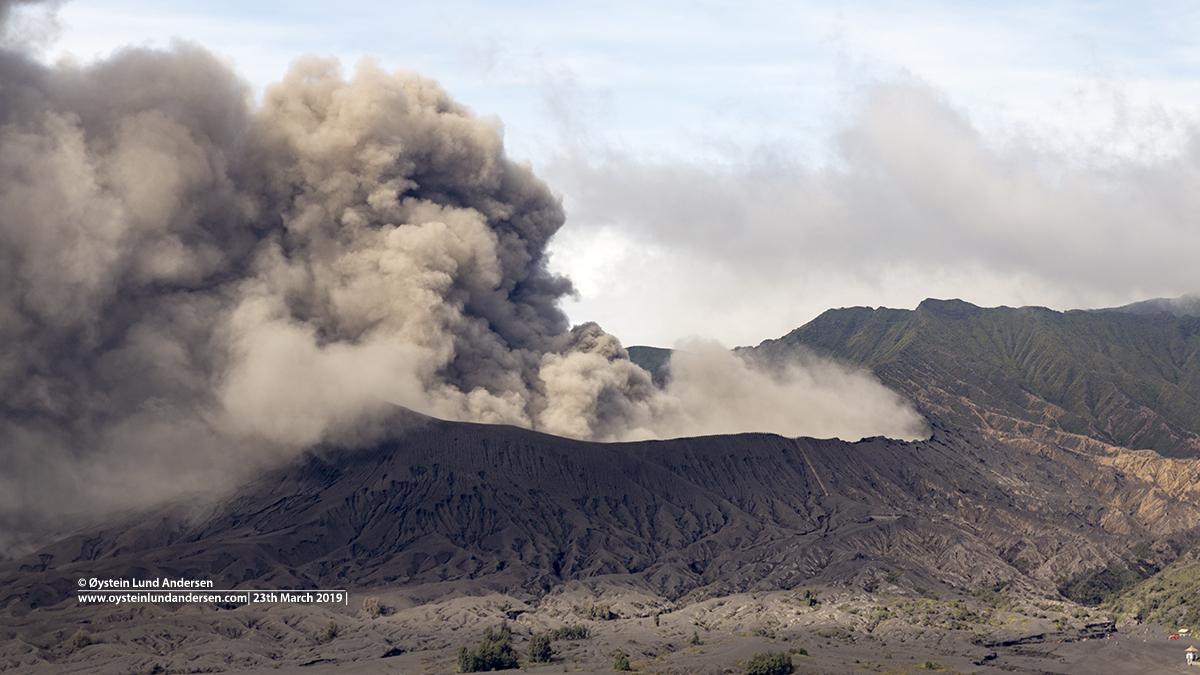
{"x": 731, "y": 170}
{"x": 917, "y": 204}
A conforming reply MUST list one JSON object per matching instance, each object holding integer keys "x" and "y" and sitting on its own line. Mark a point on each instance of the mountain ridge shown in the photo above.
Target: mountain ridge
{"x": 1188, "y": 304}
{"x": 1127, "y": 380}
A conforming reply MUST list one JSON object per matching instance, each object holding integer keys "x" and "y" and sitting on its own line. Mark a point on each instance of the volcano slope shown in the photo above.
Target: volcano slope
{"x": 453, "y": 510}
{"x": 1120, "y": 385}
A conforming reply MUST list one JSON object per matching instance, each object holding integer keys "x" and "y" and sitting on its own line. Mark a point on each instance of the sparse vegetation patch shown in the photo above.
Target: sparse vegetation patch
{"x": 1171, "y": 598}
{"x": 371, "y": 607}
{"x": 570, "y": 633}
{"x": 539, "y": 648}
{"x": 594, "y": 611}
{"x": 495, "y": 652}
{"x": 78, "y": 641}
{"x": 770, "y": 663}
{"x": 810, "y": 598}
{"x": 1099, "y": 586}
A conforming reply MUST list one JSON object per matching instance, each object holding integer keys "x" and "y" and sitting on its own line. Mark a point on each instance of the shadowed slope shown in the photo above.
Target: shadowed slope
{"x": 451, "y": 507}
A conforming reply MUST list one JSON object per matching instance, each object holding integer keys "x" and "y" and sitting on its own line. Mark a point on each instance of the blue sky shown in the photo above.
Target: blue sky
{"x": 732, "y": 169}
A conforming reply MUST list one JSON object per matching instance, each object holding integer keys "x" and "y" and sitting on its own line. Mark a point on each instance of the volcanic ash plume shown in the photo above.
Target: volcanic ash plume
{"x": 193, "y": 287}
{"x": 719, "y": 393}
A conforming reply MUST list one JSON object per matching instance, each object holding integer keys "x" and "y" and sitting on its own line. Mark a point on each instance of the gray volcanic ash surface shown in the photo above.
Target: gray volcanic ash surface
{"x": 450, "y": 510}
{"x": 521, "y": 512}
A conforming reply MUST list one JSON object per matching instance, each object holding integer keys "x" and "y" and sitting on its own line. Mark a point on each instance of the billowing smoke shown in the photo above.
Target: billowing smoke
{"x": 194, "y": 286}
{"x": 719, "y": 393}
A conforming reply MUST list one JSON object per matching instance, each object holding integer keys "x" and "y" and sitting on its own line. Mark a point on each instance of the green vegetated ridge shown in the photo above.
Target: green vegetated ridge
{"x": 650, "y": 358}
{"x": 1123, "y": 379}
{"x": 654, "y": 360}
{"x": 1171, "y": 597}
{"x": 1186, "y": 304}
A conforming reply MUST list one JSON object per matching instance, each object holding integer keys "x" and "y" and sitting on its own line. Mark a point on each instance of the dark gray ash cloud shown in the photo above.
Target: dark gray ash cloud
{"x": 194, "y": 287}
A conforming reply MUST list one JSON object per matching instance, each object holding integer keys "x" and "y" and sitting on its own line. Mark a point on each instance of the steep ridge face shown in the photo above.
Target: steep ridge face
{"x": 452, "y": 507}
{"x": 1125, "y": 380}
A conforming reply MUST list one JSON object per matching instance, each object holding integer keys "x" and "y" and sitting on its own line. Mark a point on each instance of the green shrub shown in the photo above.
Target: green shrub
{"x": 770, "y": 663}
{"x": 495, "y": 652}
{"x": 570, "y": 633}
{"x": 78, "y": 641}
{"x": 371, "y": 606}
{"x": 622, "y": 662}
{"x": 810, "y": 597}
{"x": 595, "y": 611}
{"x": 539, "y": 648}
{"x": 696, "y": 638}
